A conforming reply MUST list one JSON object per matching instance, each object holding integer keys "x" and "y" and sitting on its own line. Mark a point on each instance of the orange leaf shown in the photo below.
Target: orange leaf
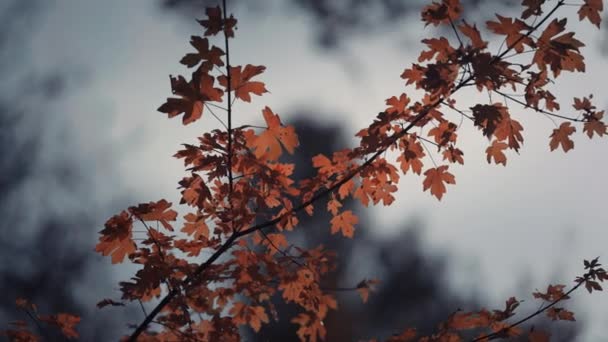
{"x": 269, "y": 142}
{"x": 155, "y": 211}
{"x": 591, "y": 10}
{"x": 252, "y": 315}
{"x": 561, "y": 136}
{"x": 344, "y": 222}
{"x": 195, "y": 225}
{"x": 210, "y": 57}
{"x": 193, "y": 96}
{"x": 435, "y": 177}
{"x": 496, "y": 151}
{"x": 511, "y": 28}
{"x": 241, "y": 84}
{"x": 116, "y": 239}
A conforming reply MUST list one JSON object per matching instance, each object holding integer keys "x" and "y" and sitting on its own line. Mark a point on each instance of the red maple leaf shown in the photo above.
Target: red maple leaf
{"x": 240, "y": 81}
{"x": 591, "y": 10}
{"x": 435, "y": 179}
{"x": 116, "y": 239}
{"x": 561, "y": 136}
{"x": 496, "y": 151}
{"x": 344, "y": 222}
{"x": 512, "y": 28}
{"x": 193, "y": 96}
{"x": 209, "y": 57}
{"x": 269, "y": 142}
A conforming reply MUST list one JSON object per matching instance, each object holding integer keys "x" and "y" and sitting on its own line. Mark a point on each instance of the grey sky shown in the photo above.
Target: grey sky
{"x": 539, "y": 216}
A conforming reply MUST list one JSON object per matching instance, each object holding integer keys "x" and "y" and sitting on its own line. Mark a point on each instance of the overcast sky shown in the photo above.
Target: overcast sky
{"x": 508, "y": 230}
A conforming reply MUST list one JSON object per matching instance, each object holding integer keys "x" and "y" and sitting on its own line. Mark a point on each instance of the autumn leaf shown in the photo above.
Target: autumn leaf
{"x": 333, "y": 206}
{"x": 561, "y": 136}
{"x": 215, "y": 23}
{"x": 412, "y": 154}
{"x": 559, "y": 53}
{"x": 533, "y": 7}
{"x": 193, "y": 96}
{"x": 311, "y": 327}
{"x": 441, "y": 12}
{"x": 591, "y": 10}
{"x": 560, "y": 314}
{"x": 397, "y": 105}
{"x": 496, "y": 151}
{"x": 209, "y": 56}
{"x": 240, "y": 81}
{"x": 116, "y": 239}
{"x": 344, "y": 222}
{"x": 453, "y": 155}
{"x": 195, "y": 226}
{"x": 269, "y": 142}
{"x": 512, "y": 28}
{"x": 473, "y": 34}
{"x": 435, "y": 179}
{"x": 444, "y": 133}
{"x": 155, "y": 211}
{"x": 252, "y": 315}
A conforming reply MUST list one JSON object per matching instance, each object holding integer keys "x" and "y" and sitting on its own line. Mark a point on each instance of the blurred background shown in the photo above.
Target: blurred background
{"x": 81, "y": 140}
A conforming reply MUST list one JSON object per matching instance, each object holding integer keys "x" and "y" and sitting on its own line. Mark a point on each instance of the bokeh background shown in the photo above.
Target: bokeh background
{"x": 80, "y": 139}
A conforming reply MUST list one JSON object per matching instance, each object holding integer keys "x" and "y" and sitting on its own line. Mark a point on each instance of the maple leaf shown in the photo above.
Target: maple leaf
{"x": 397, "y": 105}
{"x": 412, "y": 153}
{"x": 215, "y": 23}
{"x": 240, "y": 81}
{"x": 496, "y": 151}
{"x": 453, "y": 155}
{"x": 554, "y": 292}
{"x": 441, "y": 47}
{"x": 310, "y": 327}
{"x": 561, "y": 136}
{"x": 252, "y": 315}
{"x": 344, "y": 222}
{"x": 473, "y": 34}
{"x": 155, "y": 211}
{"x": 210, "y": 57}
{"x": 434, "y": 179}
{"x": 333, "y": 206}
{"x": 444, "y": 12}
{"x": 510, "y": 130}
{"x": 533, "y": 7}
{"x": 512, "y": 29}
{"x": 193, "y": 96}
{"x": 595, "y": 125}
{"x": 269, "y": 142}
{"x": 116, "y": 239}
{"x": 560, "y": 314}
{"x": 591, "y": 10}
{"x": 195, "y": 225}
{"x": 413, "y": 75}
{"x": 195, "y": 192}
{"x": 560, "y": 53}
{"x": 444, "y": 133}
{"x": 489, "y": 117}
